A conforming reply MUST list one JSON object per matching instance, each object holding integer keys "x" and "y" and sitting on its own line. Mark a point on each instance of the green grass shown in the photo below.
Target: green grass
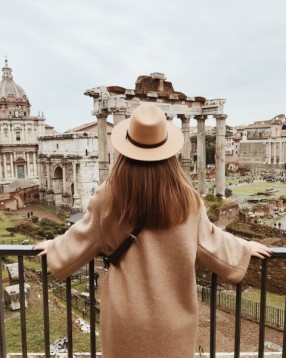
{"x": 254, "y": 188}
{"x": 272, "y": 299}
{"x": 35, "y": 326}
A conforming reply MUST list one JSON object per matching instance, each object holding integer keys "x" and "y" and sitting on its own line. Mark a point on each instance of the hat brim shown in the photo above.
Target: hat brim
{"x": 172, "y": 146}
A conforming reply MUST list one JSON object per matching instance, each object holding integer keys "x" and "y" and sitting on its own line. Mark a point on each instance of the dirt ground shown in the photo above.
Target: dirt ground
{"x": 40, "y": 212}
{"x": 225, "y": 333}
{"x": 225, "y": 321}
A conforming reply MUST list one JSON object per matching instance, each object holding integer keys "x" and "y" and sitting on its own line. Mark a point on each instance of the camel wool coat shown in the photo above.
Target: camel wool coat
{"x": 149, "y": 302}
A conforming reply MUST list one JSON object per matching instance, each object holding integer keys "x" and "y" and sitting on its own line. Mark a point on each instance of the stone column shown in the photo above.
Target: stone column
{"x": 220, "y": 154}
{"x": 274, "y": 152}
{"x": 269, "y": 152}
{"x": 35, "y": 165}
{"x": 28, "y": 164}
{"x": 103, "y": 165}
{"x": 41, "y": 176}
{"x": 12, "y": 165}
{"x": 49, "y": 174}
{"x": 280, "y": 153}
{"x": 186, "y": 151}
{"x": 118, "y": 116}
{"x": 42, "y": 187}
{"x": 5, "y": 165}
{"x": 76, "y": 197}
{"x": 201, "y": 154}
{"x": 64, "y": 176}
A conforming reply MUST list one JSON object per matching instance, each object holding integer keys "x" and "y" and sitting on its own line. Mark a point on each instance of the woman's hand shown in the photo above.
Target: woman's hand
{"x": 42, "y": 246}
{"x": 260, "y": 250}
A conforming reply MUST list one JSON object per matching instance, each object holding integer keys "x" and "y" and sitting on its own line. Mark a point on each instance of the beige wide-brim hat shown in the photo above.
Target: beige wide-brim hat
{"x": 147, "y": 135}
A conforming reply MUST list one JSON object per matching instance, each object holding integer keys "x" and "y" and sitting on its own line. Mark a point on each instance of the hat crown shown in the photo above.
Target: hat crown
{"x": 148, "y": 125}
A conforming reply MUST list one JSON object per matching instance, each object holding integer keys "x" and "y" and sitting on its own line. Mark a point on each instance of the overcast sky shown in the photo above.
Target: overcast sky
{"x": 228, "y": 49}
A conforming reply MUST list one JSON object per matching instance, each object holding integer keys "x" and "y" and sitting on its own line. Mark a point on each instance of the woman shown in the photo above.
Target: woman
{"x": 149, "y": 300}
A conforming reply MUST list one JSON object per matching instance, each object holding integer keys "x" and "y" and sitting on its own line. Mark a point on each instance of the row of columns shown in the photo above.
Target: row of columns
{"x": 12, "y": 160}
{"x": 276, "y": 152}
{"x": 186, "y": 150}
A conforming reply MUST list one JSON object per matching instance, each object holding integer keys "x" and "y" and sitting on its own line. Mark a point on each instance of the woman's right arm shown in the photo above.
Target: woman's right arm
{"x": 77, "y": 246}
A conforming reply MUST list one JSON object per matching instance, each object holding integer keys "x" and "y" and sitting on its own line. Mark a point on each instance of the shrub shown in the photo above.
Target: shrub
{"x": 227, "y": 192}
{"x": 210, "y": 197}
{"x": 35, "y": 219}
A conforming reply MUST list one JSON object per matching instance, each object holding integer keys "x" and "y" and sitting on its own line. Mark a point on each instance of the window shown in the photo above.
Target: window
{"x": 18, "y": 136}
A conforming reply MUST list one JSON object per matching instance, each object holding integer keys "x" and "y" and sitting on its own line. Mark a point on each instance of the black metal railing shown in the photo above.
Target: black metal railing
{"x": 21, "y": 251}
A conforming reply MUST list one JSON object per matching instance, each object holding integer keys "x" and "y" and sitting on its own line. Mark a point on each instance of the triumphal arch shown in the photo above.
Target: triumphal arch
{"x": 120, "y": 102}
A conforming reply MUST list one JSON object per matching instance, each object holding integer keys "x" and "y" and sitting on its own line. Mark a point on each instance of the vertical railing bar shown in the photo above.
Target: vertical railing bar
{"x": 92, "y": 313}
{"x": 2, "y": 329}
{"x": 284, "y": 333}
{"x": 22, "y": 306}
{"x": 46, "y": 306}
{"x": 237, "y": 320}
{"x": 69, "y": 317}
{"x": 213, "y": 316}
{"x": 262, "y": 308}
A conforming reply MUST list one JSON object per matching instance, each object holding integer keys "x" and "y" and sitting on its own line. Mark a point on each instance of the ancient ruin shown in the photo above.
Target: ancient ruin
{"x": 120, "y": 102}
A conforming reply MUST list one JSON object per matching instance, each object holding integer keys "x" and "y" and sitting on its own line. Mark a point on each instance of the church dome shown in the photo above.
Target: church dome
{"x": 12, "y": 96}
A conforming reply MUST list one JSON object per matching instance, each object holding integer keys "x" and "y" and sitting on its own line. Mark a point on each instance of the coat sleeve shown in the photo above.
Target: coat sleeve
{"x": 78, "y": 245}
{"x": 221, "y": 252}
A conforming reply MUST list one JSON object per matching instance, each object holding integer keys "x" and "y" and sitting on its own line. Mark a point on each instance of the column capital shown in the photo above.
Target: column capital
{"x": 201, "y": 117}
{"x": 102, "y": 114}
{"x": 221, "y": 116}
{"x": 118, "y": 111}
{"x": 184, "y": 117}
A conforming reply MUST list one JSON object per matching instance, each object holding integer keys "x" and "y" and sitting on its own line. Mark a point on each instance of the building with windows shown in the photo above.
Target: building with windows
{"x": 260, "y": 145}
{"x": 18, "y": 132}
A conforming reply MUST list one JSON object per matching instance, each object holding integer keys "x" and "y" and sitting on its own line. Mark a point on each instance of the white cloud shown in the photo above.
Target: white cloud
{"x": 234, "y": 50}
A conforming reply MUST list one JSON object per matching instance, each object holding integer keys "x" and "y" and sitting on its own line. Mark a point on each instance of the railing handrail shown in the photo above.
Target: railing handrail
{"x": 23, "y": 250}
{"x": 27, "y": 250}
{"x": 18, "y": 250}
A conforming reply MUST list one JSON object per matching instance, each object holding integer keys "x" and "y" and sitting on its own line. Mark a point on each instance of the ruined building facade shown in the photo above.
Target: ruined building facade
{"x": 68, "y": 166}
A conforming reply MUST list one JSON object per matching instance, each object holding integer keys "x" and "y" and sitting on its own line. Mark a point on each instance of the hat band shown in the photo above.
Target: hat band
{"x": 141, "y": 145}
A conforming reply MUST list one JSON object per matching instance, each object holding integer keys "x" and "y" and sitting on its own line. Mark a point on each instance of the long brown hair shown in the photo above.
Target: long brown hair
{"x": 155, "y": 195}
